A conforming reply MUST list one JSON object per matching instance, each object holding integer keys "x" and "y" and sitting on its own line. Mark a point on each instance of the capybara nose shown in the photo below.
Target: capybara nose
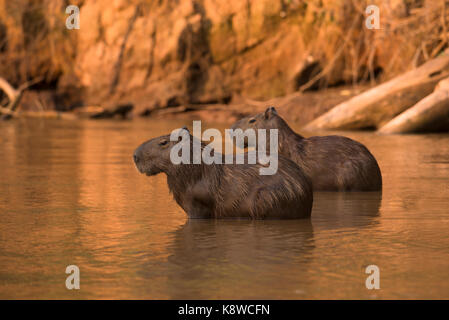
{"x": 136, "y": 158}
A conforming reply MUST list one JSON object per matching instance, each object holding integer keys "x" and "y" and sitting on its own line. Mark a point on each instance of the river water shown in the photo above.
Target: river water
{"x": 70, "y": 195}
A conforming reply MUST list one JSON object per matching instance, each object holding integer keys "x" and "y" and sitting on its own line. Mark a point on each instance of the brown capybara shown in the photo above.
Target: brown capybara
{"x": 333, "y": 163}
{"x": 228, "y": 190}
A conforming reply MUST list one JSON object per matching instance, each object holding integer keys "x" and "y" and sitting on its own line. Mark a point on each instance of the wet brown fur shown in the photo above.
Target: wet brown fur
{"x": 333, "y": 163}
{"x": 229, "y": 190}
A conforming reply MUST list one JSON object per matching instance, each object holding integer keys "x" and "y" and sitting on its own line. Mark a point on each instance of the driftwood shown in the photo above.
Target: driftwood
{"x": 98, "y": 112}
{"x": 121, "y": 111}
{"x": 48, "y": 114}
{"x": 429, "y": 114}
{"x": 14, "y": 96}
{"x": 186, "y": 108}
{"x": 377, "y": 106}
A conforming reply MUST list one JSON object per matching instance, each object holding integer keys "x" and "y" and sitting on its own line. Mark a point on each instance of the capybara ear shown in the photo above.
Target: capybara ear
{"x": 270, "y": 112}
{"x": 179, "y": 133}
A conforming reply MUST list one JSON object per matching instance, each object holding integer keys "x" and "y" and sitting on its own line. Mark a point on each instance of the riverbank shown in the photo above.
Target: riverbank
{"x": 298, "y": 107}
{"x": 167, "y": 54}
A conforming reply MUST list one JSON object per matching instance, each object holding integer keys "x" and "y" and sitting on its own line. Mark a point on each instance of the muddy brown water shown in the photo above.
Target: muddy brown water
{"x": 69, "y": 194}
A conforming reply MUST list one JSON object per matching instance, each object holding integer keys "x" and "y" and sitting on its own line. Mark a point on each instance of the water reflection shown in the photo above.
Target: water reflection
{"x": 70, "y": 194}
{"x": 206, "y": 256}
{"x": 332, "y": 210}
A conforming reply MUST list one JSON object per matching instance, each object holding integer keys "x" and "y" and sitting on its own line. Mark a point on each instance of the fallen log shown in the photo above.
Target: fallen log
{"x": 121, "y": 110}
{"x": 429, "y": 114}
{"x": 377, "y": 106}
{"x": 14, "y": 96}
{"x": 7, "y": 111}
{"x": 49, "y": 114}
{"x": 86, "y": 112}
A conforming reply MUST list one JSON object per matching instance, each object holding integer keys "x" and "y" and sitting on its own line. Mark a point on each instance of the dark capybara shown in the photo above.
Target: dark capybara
{"x": 333, "y": 163}
{"x": 228, "y": 190}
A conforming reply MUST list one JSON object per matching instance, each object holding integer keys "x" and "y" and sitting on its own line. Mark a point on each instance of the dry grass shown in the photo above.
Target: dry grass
{"x": 34, "y": 41}
{"x": 334, "y": 33}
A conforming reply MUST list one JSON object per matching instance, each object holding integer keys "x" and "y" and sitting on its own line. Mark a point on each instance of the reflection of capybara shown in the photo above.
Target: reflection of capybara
{"x": 228, "y": 190}
{"x": 205, "y": 255}
{"x": 339, "y": 210}
{"x": 333, "y": 163}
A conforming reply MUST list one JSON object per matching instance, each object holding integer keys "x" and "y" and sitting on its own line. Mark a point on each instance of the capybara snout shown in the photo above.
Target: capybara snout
{"x": 152, "y": 156}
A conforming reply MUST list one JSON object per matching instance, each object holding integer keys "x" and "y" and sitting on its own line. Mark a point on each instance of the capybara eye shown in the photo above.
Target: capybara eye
{"x": 163, "y": 142}
{"x": 252, "y": 120}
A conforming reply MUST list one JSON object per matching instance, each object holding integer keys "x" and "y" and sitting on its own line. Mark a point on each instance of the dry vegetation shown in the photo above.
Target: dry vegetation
{"x": 35, "y": 43}
{"x": 412, "y": 32}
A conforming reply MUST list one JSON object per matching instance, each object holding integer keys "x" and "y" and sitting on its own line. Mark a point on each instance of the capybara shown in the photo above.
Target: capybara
{"x": 333, "y": 163}
{"x": 228, "y": 190}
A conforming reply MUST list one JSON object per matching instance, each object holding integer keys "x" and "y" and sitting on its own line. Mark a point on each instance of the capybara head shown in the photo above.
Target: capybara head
{"x": 265, "y": 120}
{"x": 153, "y": 157}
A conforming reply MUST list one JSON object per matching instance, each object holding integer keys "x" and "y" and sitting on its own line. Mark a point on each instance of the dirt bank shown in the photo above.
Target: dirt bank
{"x": 168, "y": 54}
{"x": 298, "y": 107}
